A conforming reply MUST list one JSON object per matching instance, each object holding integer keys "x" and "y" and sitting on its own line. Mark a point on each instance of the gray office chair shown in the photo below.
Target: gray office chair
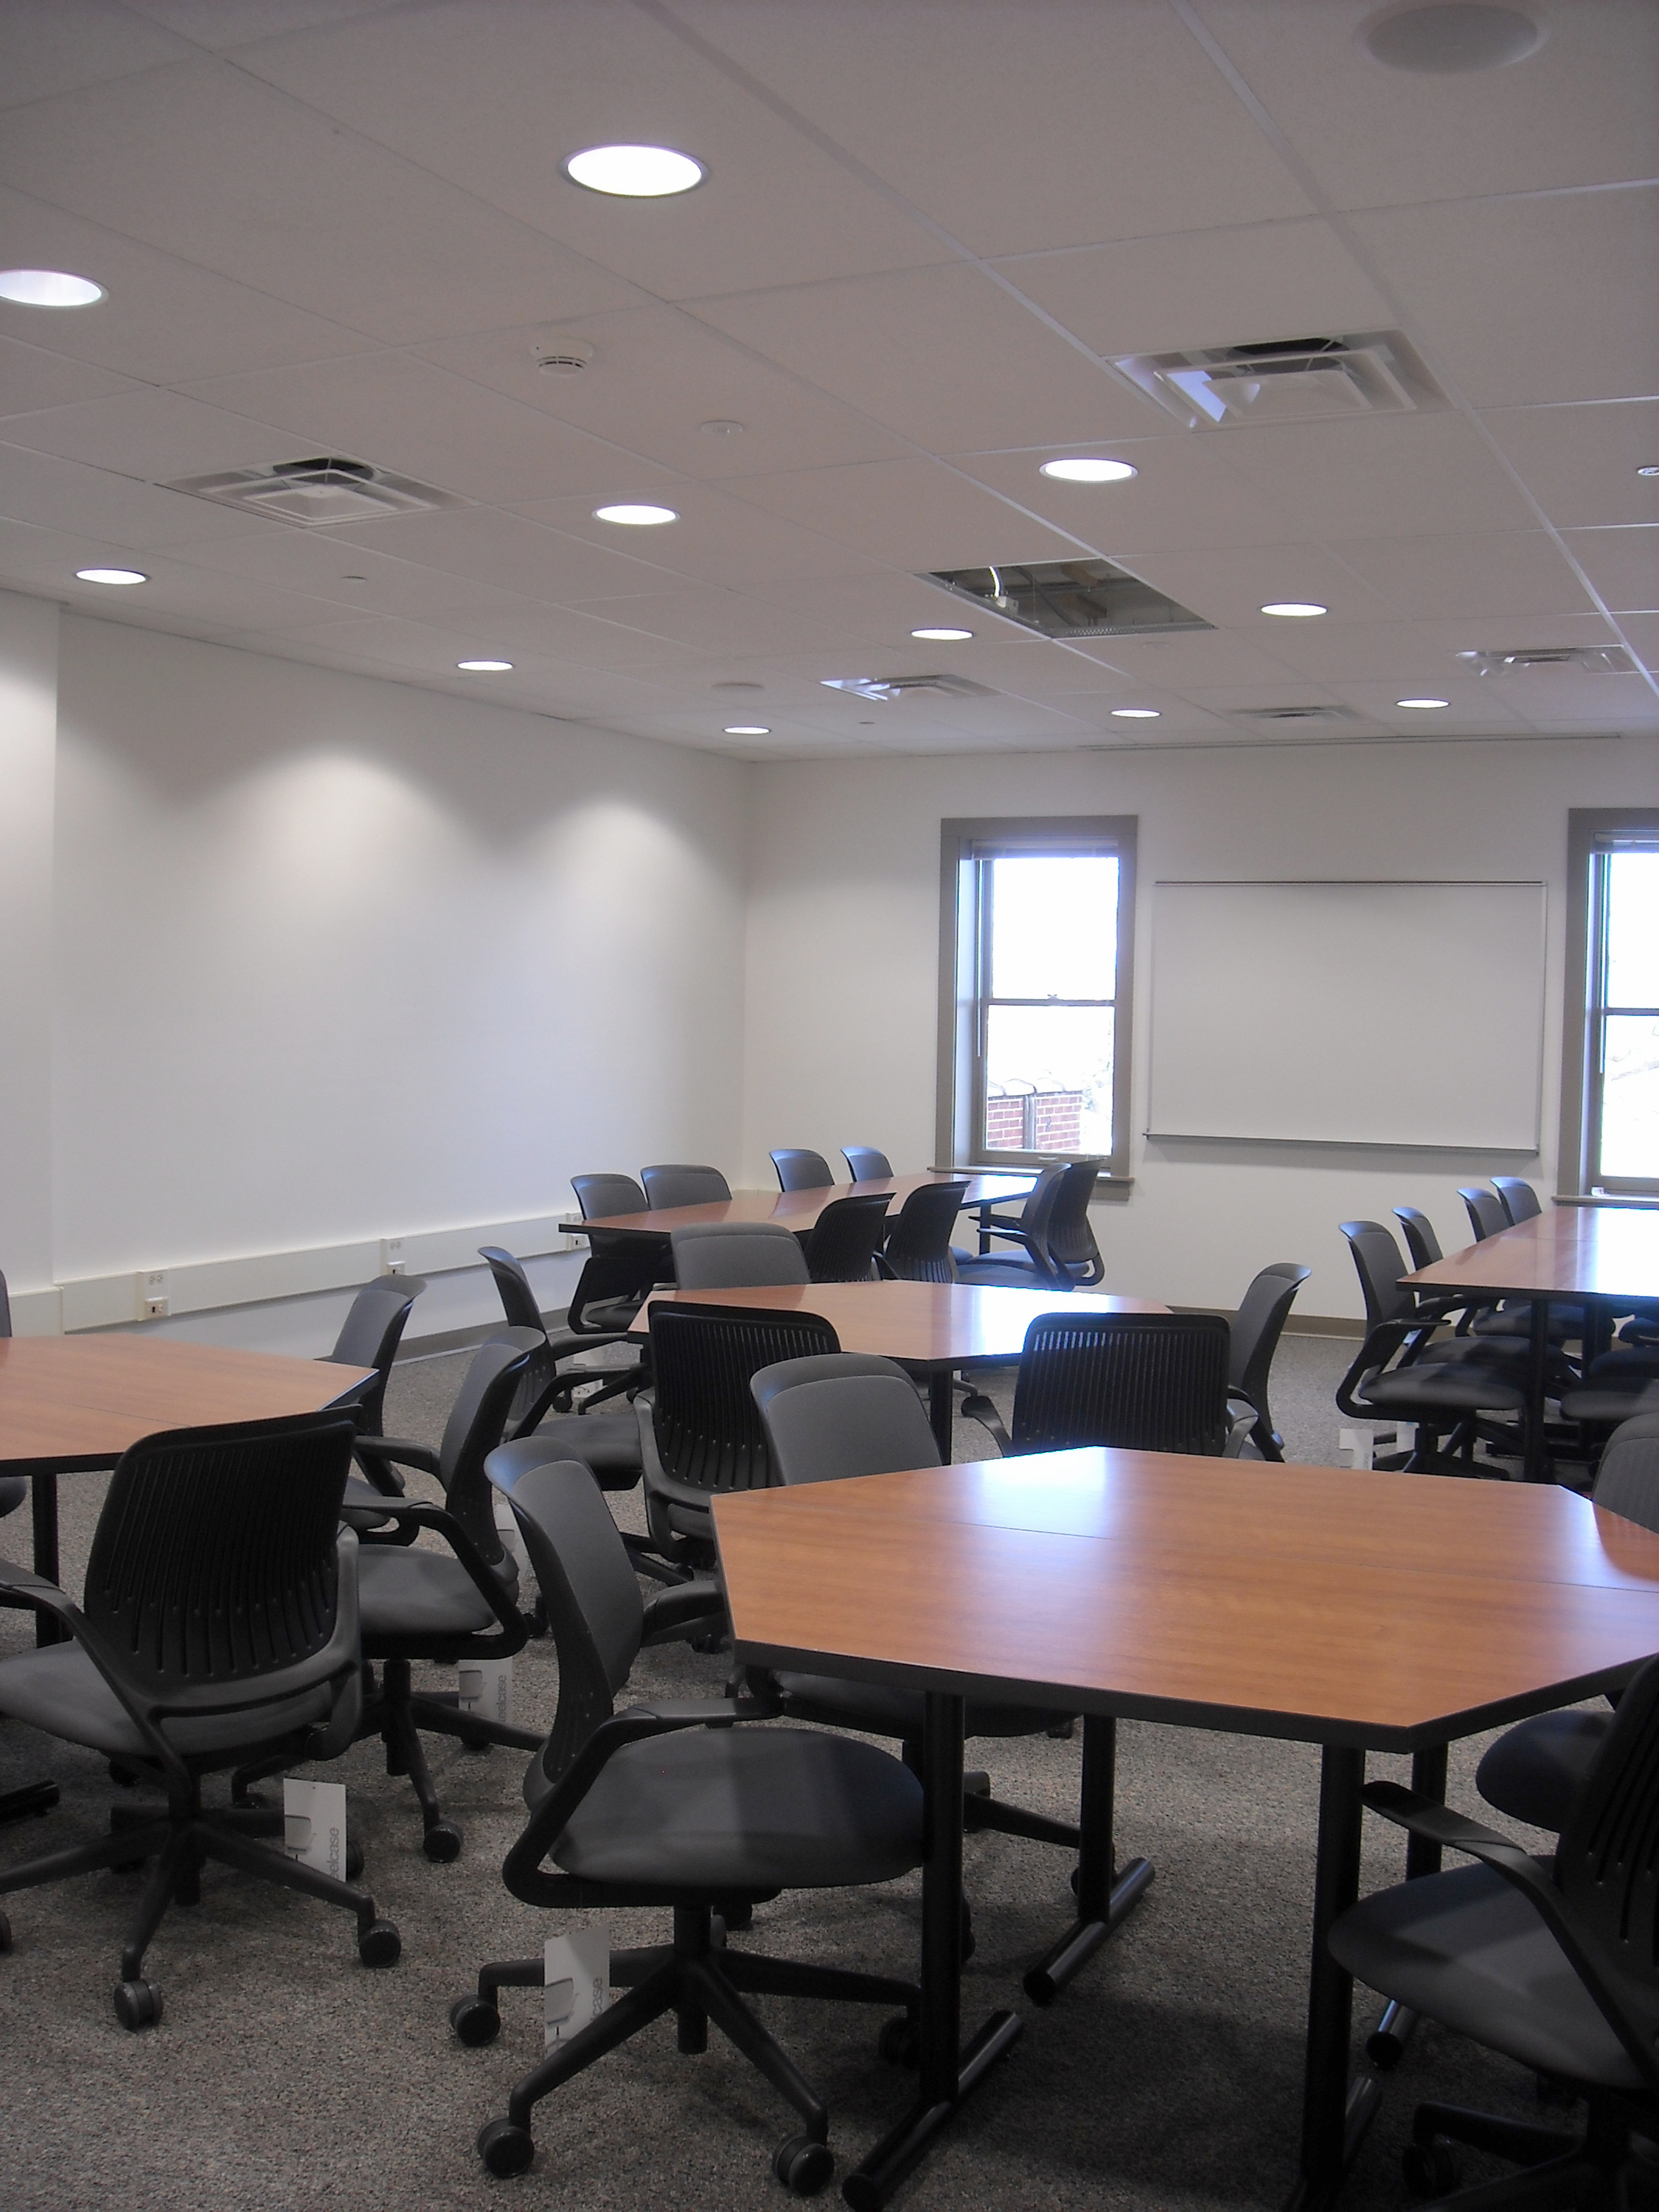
{"x": 802, "y": 1170}
{"x": 620, "y": 1271}
{"x": 737, "y": 1256}
{"x": 676, "y": 1184}
{"x": 219, "y": 1623}
{"x": 866, "y": 1164}
{"x": 369, "y": 1337}
{"x": 842, "y": 1243}
{"x": 918, "y": 1248}
{"x": 609, "y": 1447}
{"x": 1489, "y": 1216}
{"x": 1518, "y": 1200}
{"x": 28, "y": 1798}
{"x": 1132, "y": 1382}
{"x": 1053, "y": 1230}
{"x": 681, "y": 1807}
{"x": 1549, "y": 1961}
{"x": 1256, "y": 1328}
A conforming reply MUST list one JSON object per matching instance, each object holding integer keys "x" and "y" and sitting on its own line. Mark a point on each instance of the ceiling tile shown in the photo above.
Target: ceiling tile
{"x": 1185, "y": 494}
{"x": 314, "y": 562}
{"x": 1395, "y": 653}
{"x": 1484, "y": 634}
{"x": 39, "y": 488}
{"x": 147, "y": 433}
{"x": 1567, "y": 699}
{"x": 711, "y": 621}
{"x": 1195, "y": 657}
{"x": 1641, "y": 633}
{"x": 718, "y": 539}
{"x": 583, "y": 639}
{"x": 30, "y": 377}
{"x": 1503, "y": 572}
{"x": 47, "y": 47}
{"x": 1230, "y": 587}
{"x": 506, "y": 551}
{"x": 219, "y": 24}
{"x": 1471, "y": 704}
{"x": 1388, "y": 476}
{"x": 1622, "y": 564}
{"x": 1580, "y": 463}
{"x": 915, "y": 514}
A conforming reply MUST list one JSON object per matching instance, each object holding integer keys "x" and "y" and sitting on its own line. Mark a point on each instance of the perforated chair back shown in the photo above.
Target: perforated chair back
{"x": 678, "y": 1184}
{"x": 1140, "y": 1382}
{"x": 844, "y": 1240}
{"x": 704, "y": 1418}
{"x": 866, "y": 1164}
{"x": 1518, "y": 1200}
{"x": 1486, "y": 1212}
{"x": 523, "y": 1310}
{"x": 1068, "y": 1240}
{"x": 737, "y": 1256}
{"x": 478, "y": 1421}
{"x": 918, "y": 1239}
{"x": 1259, "y": 1324}
{"x": 1627, "y": 1480}
{"x": 1420, "y": 1239}
{"x": 1378, "y": 1263}
{"x": 369, "y": 1337}
{"x": 802, "y": 1170}
{"x": 601, "y": 1195}
{"x": 844, "y": 1413}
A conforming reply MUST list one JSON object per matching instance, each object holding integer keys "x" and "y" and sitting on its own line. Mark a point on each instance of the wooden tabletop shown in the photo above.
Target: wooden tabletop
{"x": 77, "y": 1402}
{"x": 924, "y": 1324}
{"x": 799, "y": 1209}
{"x": 1316, "y": 1603}
{"x": 1569, "y": 1252}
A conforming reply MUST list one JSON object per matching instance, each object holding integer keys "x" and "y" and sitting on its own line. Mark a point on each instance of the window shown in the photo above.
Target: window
{"x": 1610, "y": 1102}
{"x": 1036, "y": 936}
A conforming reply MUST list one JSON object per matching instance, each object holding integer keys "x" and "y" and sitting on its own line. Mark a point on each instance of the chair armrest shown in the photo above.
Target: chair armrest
{"x": 403, "y": 1449}
{"x": 24, "y": 1586}
{"x": 980, "y": 1408}
{"x": 683, "y": 1608}
{"x": 707, "y": 1712}
{"x": 1379, "y": 1347}
{"x": 1239, "y": 1430}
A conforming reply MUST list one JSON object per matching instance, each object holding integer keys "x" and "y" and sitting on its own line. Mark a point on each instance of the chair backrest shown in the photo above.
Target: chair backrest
{"x": 802, "y": 1170}
{"x": 843, "y": 1241}
{"x": 1486, "y": 1212}
{"x": 478, "y": 1421}
{"x": 369, "y": 1337}
{"x": 215, "y": 1564}
{"x": 5, "y": 1308}
{"x": 1518, "y": 1200}
{"x": 1420, "y": 1240}
{"x": 1259, "y": 1322}
{"x": 704, "y": 1418}
{"x": 675, "y": 1183}
{"x": 1627, "y": 1480}
{"x": 728, "y": 1255}
{"x": 601, "y": 1195}
{"x": 918, "y": 1239}
{"x": 1068, "y": 1240}
{"x": 523, "y": 1310}
{"x": 866, "y": 1164}
{"x": 844, "y": 1413}
{"x": 1140, "y": 1382}
{"x": 1378, "y": 1263}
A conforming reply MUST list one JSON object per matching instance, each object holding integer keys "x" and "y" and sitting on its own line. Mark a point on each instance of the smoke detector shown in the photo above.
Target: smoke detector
{"x": 1286, "y": 380}
{"x": 885, "y": 688}
{"x": 562, "y": 356}
{"x": 321, "y": 490}
{"x": 1069, "y": 598}
{"x": 1527, "y": 660}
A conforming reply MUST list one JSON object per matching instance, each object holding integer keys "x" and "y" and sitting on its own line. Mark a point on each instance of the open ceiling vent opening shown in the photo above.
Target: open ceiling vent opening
{"x": 1070, "y": 599}
{"x": 884, "y": 689}
{"x": 1286, "y": 380}
{"x": 323, "y": 489}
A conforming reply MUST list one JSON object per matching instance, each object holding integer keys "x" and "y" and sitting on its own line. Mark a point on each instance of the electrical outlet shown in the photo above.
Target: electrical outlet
{"x": 391, "y": 1255}
{"x": 154, "y": 1291}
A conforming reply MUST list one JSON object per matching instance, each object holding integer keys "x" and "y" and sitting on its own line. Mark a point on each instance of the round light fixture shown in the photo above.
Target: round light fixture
{"x": 112, "y": 576}
{"x": 636, "y": 518}
{"x": 1648, "y": 468}
{"x": 942, "y": 636}
{"x": 484, "y": 668}
{"x": 747, "y": 729}
{"x": 49, "y": 288}
{"x": 635, "y": 172}
{"x": 1295, "y": 610}
{"x": 1452, "y": 38}
{"x": 1088, "y": 468}
{"x": 1134, "y": 714}
{"x": 1424, "y": 704}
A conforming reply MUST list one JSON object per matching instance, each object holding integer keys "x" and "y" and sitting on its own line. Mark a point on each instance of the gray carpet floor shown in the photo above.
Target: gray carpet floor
{"x": 285, "y": 2074}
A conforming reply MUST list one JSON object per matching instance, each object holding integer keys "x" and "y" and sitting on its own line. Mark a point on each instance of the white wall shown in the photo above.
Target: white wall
{"x": 28, "y": 707}
{"x": 843, "y": 961}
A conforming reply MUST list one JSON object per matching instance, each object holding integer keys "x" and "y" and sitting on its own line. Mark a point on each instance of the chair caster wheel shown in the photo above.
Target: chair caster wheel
{"x": 354, "y": 1860}
{"x": 441, "y": 1842}
{"x": 1384, "y": 2051}
{"x": 737, "y": 1915}
{"x": 1075, "y": 1872}
{"x": 900, "y": 2041}
{"x": 802, "y": 2165}
{"x": 477, "y": 1745}
{"x": 252, "y": 1800}
{"x": 506, "y": 2149}
{"x": 126, "y": 1776}
{"x": 5, "y": 1933}
{"x": 1430, "y": 2169}
{"x": 379, "y": 1944}
{"x": 475, "y": 2020}
{"x": 138, "y": 2004}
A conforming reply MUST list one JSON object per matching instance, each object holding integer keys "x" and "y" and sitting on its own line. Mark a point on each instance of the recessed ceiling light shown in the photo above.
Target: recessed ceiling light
{"x": 1135, "y": 714}
{"x": 636, "y": 518}
{"x": 1295, "y": 610}
{"x": 635, "y": 172}
{"x": 722, "y": 425}
{"x": 1648, "y": 468}
{"x": 1424, "y": 703}
{"x": 747, "y": 729}
{"x": 112, "y": 576}
{"x": 1088, "y": 468}
{"x": 942, "y": 636}
{"x": 1452, "y": 38}
{"x": 484, "y": 668}
{"x": 49, "y": 288}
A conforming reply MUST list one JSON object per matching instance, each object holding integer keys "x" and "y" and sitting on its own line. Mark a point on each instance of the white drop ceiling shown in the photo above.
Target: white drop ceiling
{"x": 341, "y": 226}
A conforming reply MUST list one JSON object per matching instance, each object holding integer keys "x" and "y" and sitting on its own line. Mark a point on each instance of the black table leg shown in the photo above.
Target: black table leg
{"x": 43, "y": 1505}
{"x": 1536, "y": 1465}
{"x": 1103, "y": 1895}
{"x": 1386, "y": 2044}
{"x": 1334, "y": 2115}
{"x": 949, "y": 2071}
{"x": 941, "y": 1408}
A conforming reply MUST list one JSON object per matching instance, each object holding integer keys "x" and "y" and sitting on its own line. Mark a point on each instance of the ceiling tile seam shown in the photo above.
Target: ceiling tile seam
{"x": 1233, "y": 76}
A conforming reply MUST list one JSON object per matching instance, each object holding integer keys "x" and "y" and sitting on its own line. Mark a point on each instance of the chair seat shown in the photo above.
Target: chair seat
{"x": 607, "y": 1445}
{"x": 1013, "y": 1274}
{"x": 1469, "y": 1951}
{"x": 746, "y": 1808}
{"x": 405, "y": 1592}
{"x": 887, "y": 1709}
{"x": 58, "y": 1689}
{"x": 1536, "y": 1769}
{"x": 1517, "y": 1321}
{"x": 1442, "y": 1386}
{"x": 1605, "y": 1405}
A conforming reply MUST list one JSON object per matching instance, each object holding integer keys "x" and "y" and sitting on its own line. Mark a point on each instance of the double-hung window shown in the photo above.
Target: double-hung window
{"x": 1610, "y": 1119}
{"x": 1037, "y": 928}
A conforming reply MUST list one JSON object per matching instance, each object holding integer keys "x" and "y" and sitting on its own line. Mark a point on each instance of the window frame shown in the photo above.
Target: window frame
{"x": 963, "y": 845}
{"x": 1591, "y": 833}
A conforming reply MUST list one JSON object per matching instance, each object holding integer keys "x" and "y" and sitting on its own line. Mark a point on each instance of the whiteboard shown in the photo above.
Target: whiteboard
{"x": 1349, "y": 1013}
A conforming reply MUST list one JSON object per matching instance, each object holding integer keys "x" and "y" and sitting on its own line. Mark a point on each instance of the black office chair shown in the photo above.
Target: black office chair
{"x": 1256, "y": 1328}
{"x": 1135, "y": 1382}
{"x": 619, "y": 1273}
{"x": 219, "y": 1623}
{"x": 682, "y": 1806}
{"x": 1489, "y": 1216}
{"x": 1485, "y": 1210}
{"x": 723, "y": 1255}
{"x": 842, "y": 1243}
{"x": 866, "y": 1164}
{"x": 676, "y": 1184}
{"x": 1518, "y": 1200}
{"x": 609, "y": 1447}
{"x": 369, "y": 1337}
{"x": 28, "y": 1797}
{"x": 918, "y": 1248}
{"x": 802, "y": 1170}
{"x": 1052, "y": 1228}
{"x": 1550, "y": 1962}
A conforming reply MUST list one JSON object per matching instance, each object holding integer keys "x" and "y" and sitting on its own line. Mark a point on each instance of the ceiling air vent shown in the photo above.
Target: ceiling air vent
{"x": 1527, "y": 660}
{"x": 884, "y": 688}
{"x": 1070, "y": 599}
{"x": 1295, "y": 714}
{"x": 1286, "y": 380}
{"x": 323, "y": 489}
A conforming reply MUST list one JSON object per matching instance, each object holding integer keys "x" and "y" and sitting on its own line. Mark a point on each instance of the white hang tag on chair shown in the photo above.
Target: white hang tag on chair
{"x": 315, "y": 1824}
{"x": 486, "y": 1689}
{"x": 575, "y": 1982}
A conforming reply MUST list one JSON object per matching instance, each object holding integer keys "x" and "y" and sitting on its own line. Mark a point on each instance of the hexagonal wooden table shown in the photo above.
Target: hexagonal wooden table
{"x": 1354, "y": 1610}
